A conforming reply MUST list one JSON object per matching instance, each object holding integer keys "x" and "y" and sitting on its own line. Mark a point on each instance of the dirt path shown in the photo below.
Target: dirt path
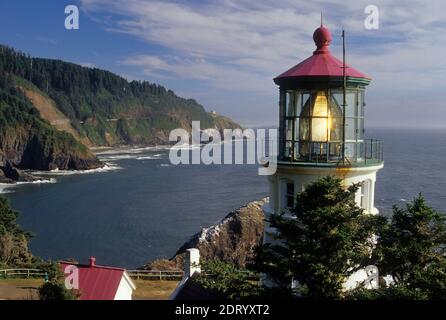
{"x": 19, "y": 289}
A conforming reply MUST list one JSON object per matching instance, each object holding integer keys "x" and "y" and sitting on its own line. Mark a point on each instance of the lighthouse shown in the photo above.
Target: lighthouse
{"x": 321, "y": 133}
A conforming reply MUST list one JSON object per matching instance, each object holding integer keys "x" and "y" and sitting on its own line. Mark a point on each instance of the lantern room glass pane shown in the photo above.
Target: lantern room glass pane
{"x": 289, "y": 130}
{"x": 360, "y": 128}
{"x": 336, "y": 128}
{"x": 350, "y": 129}
{"x": 298, "y": 104}
{"x": 337, "y": 98}
{"x": 350, "y": 108}
{"x": 312, "y": 123}
{"x": 296, "y": 128}
{"x": 305, "y": 97}
{"x": 361, "y": 104}
{"x": 304, "y": 129}
{"x": 290, "y": 103}
{"x": 360, "y": 112}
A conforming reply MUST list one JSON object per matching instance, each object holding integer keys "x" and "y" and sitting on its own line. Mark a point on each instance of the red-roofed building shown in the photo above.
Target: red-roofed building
{"x": 95, "y": 282}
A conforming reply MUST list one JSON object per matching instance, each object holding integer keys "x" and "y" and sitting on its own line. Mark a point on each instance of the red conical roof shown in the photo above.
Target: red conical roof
{"x": 322, "y": 63}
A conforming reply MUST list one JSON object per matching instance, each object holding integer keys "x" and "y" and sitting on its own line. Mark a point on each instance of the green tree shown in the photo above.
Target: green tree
{"x": 326, "y": 239}
{"x": 13, "y": 240}
{"x": 54, "y": 288}
{"x": 228, "y": 281}
{"x": 412, "y": 248}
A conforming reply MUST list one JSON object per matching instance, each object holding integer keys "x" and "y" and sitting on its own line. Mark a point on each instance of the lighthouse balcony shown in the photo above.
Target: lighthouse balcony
{"x": 368, "y": 152}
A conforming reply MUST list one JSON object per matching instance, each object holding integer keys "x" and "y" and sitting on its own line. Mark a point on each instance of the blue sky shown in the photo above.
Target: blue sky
{"x": 225, "y": 53}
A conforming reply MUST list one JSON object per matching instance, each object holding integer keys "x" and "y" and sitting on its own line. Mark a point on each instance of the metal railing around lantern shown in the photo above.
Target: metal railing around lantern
{"x": 357, "y": 153}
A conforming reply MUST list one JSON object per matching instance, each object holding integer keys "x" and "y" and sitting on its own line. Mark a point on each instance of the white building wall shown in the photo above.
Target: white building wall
{"x": 125, "y": 289}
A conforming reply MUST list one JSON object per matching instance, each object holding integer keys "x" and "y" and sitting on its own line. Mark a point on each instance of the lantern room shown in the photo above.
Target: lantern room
{"x": 322, "y": 110}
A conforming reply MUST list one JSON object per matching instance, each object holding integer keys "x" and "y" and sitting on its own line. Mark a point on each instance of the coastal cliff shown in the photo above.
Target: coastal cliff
{"x": 233, "y": 239}
{"x": 52, "y": 111}
{"x": 99, "y": 108}
{"x": 29, "y": 142}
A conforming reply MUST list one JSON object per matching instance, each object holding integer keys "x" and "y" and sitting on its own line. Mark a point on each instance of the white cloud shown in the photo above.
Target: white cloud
{"x": 239, "y": 45}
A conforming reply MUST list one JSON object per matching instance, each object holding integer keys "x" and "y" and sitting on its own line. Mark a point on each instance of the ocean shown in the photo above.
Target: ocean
{"x": 143, "y": 208}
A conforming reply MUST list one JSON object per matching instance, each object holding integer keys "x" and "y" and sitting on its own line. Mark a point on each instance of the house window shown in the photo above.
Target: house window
{"x": 290, "y": 195}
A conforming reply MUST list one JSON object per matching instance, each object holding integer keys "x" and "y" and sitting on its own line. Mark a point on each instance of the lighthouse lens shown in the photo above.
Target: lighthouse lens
{"x": 321, "y": 122}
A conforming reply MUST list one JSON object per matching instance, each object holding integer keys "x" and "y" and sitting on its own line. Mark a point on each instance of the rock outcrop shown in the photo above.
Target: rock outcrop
{"x": 30, "y": 148}
{"x": 4, "y": 178}
{"x": 10, "y": 174}
{"x": 234, "y": 239}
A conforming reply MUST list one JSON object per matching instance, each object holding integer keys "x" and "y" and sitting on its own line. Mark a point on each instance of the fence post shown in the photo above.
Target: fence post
{"x": 27, "y": 275}
{"x": 161, "y": 276}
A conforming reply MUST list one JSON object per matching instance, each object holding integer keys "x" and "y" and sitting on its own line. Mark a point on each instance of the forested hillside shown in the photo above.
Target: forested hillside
{"x": 102, "y": 108}
{"x": 27, "y": 141}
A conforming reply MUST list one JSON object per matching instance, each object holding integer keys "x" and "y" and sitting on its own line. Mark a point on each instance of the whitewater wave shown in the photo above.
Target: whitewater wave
{"x": 148, "y": 158}
{"x": 4, "y": 188}
{"x": 157, "y": 156}
{"x": 8, "y": 188}
{"x": 108, "y": 167}
{"x": 186, "y": 146}
{"x": 124, "y": 151}
{"x": 116, "y": 157}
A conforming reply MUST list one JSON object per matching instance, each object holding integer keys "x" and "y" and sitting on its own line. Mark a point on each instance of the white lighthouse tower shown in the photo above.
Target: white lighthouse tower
{"x": 322, "y": 132}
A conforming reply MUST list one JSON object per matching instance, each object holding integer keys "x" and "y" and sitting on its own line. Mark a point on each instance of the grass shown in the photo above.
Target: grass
{"x": 154, "y": 289}
{"x": 19, "y": 289}
{"x": 26, "y": 289}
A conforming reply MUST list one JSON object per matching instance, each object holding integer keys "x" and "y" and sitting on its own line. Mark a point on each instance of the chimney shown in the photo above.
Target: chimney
{"x": 192, "y": 262}
{"x": 92, "y": 262}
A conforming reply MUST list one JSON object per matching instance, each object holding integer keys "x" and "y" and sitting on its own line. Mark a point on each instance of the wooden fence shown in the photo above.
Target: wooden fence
{"x": 155, "y": 275}
{"x": 134, "y": 274}
{"x": 22, "y": 273}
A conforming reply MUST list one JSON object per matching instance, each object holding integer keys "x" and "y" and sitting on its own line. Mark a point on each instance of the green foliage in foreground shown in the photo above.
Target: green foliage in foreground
{"x": 412, "y": 249}
{"x": 13, "y": 240}
{"x": 326, "y": 239}
{"x": 54, "y": 288}
{"x": 229, "y": 281}
{"x": 55, "y": 291}
{"x": 394, "y": 292}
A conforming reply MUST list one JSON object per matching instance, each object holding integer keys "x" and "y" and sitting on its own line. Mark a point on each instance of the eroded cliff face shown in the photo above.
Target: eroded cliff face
{"x": 234, "y": 239}
{"x": 27, "y": 148}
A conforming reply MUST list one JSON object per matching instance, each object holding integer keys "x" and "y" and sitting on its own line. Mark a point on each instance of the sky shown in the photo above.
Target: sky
{"x": 225, "y": 53}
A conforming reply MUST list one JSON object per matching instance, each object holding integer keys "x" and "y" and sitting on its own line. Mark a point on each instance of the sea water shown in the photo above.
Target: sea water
{"x": 142, "y": 208}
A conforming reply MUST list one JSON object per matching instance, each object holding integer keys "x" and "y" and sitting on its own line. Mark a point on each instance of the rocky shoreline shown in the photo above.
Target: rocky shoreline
{"x": 234, "y": 239}
{"x": 9, "y": 174}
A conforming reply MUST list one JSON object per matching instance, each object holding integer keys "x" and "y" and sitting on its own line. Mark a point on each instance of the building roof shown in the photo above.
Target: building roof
{"x": 97, "y": 282}
{"x": 322, "y": 63}
{"x": 189, "y": 289}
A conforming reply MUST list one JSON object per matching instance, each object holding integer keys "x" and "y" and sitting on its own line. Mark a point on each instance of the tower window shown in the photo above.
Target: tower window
{"x": 290, "y": 195}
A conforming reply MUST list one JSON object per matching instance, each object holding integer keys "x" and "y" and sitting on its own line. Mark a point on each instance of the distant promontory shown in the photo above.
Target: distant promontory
{"x": 52, "y": 112}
